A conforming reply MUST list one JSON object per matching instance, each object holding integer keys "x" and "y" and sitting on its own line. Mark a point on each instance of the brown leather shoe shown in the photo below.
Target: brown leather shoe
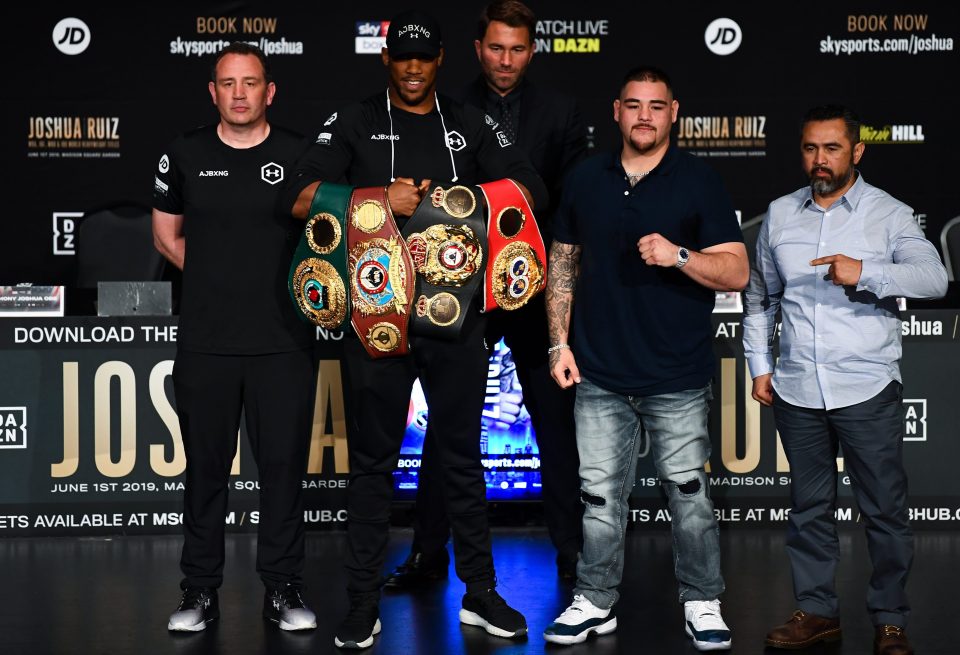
{"x": 804, "y": 630}
{"x": 891, "y": 640}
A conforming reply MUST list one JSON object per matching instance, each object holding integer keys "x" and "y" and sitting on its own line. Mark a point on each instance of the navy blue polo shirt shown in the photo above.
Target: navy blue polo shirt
{"x": 637, "y": 329}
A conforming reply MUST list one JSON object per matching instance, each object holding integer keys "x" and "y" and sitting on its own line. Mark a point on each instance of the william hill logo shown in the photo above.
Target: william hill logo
{"x": 892, "y": 134}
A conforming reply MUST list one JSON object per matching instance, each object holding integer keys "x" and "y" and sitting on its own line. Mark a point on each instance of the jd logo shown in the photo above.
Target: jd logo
{"x": 71, "y": 36}
{"x": 723, "y": 36}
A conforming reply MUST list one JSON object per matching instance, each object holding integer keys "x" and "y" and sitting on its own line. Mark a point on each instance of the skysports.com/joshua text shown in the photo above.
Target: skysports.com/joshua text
{"x": 911, "y": 45}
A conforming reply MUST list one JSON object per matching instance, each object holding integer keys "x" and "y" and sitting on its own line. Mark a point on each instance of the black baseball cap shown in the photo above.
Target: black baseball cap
{"x": 414, "y": 33}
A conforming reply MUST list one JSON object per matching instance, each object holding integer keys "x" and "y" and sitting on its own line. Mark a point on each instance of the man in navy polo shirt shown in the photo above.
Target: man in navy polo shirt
{"x": 643, "y": 238}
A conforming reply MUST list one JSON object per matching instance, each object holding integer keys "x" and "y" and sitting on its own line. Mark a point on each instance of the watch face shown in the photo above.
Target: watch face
{"x": 684, "y": 253}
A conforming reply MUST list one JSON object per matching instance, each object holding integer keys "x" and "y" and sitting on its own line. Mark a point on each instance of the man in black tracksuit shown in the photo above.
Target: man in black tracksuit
{"x": 240, "y": 344}
{"x": 547, "y": 127}
{"x": 404, "y": 137}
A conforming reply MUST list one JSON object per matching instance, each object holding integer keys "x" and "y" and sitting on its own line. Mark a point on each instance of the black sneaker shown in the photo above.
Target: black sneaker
{"x": 419, "y": 571}
{"x": 197, "y": 608}
{"x": 284, "y": 606}
{"x": 489, "y": 611}
{"x": 361, "y": 624}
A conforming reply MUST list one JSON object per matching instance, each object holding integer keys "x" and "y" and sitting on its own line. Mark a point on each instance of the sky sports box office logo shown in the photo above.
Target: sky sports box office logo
{"x": 371, "y": 36}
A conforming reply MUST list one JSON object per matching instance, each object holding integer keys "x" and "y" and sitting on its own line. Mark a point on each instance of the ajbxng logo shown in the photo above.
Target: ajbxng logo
{"x": 13, "y": 427}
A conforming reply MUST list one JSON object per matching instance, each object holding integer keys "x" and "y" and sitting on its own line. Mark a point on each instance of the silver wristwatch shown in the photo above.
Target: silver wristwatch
{"x": 683, "y": 255}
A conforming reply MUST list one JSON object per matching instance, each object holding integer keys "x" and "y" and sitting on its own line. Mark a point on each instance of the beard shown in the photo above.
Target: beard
{"x": 824, "y": 186}
{"x": 643, "y": 140}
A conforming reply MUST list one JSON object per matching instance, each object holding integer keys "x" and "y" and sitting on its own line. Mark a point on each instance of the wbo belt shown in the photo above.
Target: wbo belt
{"x": 516, "y": 262}
{"x": 319, "y": 266}
{"x": 381, "y": 275}
{"x": 447, "y": 238}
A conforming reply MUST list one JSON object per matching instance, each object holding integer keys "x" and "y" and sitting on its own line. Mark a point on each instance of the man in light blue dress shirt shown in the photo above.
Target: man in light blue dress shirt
{"x": 833, "y": 257}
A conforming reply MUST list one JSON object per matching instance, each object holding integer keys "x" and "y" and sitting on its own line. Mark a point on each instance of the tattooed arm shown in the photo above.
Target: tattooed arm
{"x": 564, "y": 267}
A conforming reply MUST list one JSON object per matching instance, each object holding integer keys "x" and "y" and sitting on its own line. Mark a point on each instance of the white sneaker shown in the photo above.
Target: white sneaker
{"x": 578, "y": 621}
{"x": 705, "y": 625}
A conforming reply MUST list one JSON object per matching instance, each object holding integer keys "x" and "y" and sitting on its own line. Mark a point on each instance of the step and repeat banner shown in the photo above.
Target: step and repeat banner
{"x": 89, "y": 441}
{"x": 96, "y": 92}
{"x": 90, "y": 444}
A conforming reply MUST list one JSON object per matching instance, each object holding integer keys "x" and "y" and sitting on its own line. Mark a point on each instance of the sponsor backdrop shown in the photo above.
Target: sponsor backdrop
{"x": 90, "y": 444}
{"x": 89, "y": 439}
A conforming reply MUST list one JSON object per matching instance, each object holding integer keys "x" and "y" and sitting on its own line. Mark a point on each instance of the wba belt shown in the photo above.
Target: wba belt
{"x": 447, "y": 239}
{"x": 381, "y": 275}
{"x": 516, "y": 257}
{"x": 319, "y": 268}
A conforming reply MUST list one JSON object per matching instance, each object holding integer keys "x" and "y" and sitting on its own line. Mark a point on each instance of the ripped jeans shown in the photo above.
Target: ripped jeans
{"x": 608, "y": 438}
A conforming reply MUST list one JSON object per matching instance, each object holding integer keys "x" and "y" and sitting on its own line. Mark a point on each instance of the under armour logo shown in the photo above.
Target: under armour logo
{"x": 271, "y": 173}
{"x": 456, "y": 141}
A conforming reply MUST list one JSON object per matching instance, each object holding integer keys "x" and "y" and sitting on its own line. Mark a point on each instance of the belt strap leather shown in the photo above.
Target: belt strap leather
{"x": 381, "y": 275}
{"x": 516, "y": 263}
{"x": 447, "y": 240}
{"x": 318, "y": 272}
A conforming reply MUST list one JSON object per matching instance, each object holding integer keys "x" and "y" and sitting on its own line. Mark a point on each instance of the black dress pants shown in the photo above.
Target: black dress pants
{"x": 276, "y": 394}
{"x": 551, "y": 411}
{"x": 453, "y": 377}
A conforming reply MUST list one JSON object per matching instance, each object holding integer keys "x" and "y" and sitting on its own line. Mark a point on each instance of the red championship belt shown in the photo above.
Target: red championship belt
{"x": 516, "y": 257}
{"x": 381, "y": 275}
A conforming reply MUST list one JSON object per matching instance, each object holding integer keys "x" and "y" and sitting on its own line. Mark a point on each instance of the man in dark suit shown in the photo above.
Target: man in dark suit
{"x": 547, "y": 127}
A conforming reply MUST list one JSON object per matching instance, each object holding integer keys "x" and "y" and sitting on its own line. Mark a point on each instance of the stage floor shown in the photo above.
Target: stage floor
{"x": 112, "y": 597}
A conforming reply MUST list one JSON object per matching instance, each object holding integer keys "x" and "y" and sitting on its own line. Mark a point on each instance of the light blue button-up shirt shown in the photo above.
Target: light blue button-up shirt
{"x": 838, "y": 345}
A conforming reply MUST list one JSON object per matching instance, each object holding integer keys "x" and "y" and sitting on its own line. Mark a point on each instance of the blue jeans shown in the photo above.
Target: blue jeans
{"x": 608, "y": 438}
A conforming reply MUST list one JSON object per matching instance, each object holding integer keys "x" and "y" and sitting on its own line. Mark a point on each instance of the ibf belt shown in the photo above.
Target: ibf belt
{"x": 381, "y": 275}
{"x": 447, "y": 240}
{"x": 516, "y": 263}
{"x": 319, "y": 268}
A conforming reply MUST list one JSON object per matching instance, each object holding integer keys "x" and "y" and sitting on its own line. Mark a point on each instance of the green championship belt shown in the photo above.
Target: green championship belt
{"x": 318, "y": 273}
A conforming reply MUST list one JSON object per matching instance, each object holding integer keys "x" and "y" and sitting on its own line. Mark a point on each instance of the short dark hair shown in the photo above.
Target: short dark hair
{"x": 832, "y": 112}
{"x": 241, "y": 48}
{"x": 512, "y": 12}
{"x": 645, "y": 74}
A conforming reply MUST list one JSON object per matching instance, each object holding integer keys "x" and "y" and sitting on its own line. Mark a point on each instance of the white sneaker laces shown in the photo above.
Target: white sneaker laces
{"x": 705, "y": 615}
{"x": 580, "y": 609}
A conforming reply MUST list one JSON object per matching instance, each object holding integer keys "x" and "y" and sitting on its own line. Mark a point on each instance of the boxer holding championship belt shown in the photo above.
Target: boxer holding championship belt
{"x": 319, "y": 269}
{"x": 516, "y": 262}
{"x": 446, "y": 238}
{"x": 381, "y": 275}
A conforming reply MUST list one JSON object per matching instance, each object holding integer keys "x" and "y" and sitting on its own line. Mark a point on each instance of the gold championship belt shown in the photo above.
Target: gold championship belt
{"x": 319, "y": 268}
{"x": 381, "y": 275}
{"x": 516, "y": 260}
{"x": 446, "y": 238}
